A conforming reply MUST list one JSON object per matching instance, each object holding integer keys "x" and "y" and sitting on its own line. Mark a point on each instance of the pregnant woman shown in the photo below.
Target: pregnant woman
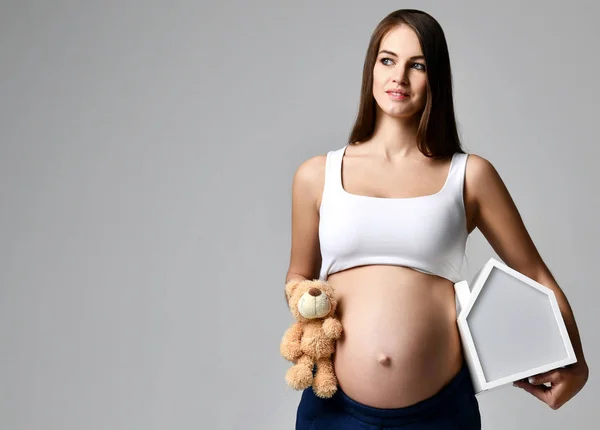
{"x": 385, "y": 219}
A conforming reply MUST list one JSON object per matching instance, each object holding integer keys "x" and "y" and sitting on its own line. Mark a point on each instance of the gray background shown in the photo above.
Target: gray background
{"x": 147, "y": 152}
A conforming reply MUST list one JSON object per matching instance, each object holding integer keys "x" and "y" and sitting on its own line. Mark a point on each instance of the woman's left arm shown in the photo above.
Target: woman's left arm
{"x": 498, "y": 219}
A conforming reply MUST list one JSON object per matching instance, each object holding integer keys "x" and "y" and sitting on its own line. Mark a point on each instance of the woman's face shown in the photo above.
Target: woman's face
{"x": 400, "y": 66}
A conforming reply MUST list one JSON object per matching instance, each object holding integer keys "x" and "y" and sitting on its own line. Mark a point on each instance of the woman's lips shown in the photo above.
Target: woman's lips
{"x": 397, "y": 95}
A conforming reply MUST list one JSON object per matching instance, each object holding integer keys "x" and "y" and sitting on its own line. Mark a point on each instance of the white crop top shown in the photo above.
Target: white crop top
{"x": 426, "y": 233}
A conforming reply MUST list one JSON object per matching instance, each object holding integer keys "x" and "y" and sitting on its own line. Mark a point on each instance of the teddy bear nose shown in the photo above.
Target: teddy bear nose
{"x": 315, "y": 292}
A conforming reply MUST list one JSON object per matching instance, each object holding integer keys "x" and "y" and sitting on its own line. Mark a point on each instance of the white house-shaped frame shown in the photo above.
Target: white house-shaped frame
{"x": 510, "y": 327}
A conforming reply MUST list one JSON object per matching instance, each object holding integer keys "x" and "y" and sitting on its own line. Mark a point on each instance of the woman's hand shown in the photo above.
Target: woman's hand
{"x": 564, "y": 384}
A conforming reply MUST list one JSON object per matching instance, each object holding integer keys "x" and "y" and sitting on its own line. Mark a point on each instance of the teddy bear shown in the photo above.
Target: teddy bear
{"x": 310, "y": 341}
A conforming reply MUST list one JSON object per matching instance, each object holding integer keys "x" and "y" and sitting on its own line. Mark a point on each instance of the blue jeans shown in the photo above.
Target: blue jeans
{"x": 454, "y": 407}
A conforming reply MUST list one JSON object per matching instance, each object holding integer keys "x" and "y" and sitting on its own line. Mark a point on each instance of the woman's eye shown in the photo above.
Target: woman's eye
{"x": 418, "y": 66}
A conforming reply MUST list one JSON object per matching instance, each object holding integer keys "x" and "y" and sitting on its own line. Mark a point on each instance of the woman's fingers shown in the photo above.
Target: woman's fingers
{"x": 552, "y": 377}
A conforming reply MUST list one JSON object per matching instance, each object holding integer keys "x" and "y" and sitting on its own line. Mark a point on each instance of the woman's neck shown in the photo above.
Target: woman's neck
{"x": 395, "y": 137}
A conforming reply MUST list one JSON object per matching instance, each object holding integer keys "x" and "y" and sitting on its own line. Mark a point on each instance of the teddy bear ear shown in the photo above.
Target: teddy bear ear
{"x": 290, "y": 286}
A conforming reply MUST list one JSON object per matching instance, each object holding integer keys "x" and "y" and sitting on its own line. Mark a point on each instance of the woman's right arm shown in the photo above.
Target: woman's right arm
{"x": 307, "y": 186}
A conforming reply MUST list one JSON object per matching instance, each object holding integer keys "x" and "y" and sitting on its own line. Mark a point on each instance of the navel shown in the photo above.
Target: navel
{"x": 384, "y": 360}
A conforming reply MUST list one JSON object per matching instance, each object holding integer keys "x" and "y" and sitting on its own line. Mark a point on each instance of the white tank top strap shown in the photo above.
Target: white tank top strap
{"x": 333, "y": 170}
{"x": 456, "y": 176}
{"x": 458, "y": 167}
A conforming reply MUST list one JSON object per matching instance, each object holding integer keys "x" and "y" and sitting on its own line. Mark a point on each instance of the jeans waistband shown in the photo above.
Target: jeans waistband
{"x": 442, "y": 401}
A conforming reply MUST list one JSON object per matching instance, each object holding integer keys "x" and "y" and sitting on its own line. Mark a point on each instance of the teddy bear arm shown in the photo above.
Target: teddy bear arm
{"x": 290, "y": 345}
{"x": 294, "y": 333}
{"x": 332, "y": 328}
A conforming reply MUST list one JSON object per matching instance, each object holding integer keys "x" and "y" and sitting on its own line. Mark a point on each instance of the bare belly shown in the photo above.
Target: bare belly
{"x": 400, "y": 343}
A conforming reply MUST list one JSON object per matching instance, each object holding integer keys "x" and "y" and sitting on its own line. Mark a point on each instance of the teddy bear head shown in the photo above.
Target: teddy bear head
{"x": 310, "y": 299}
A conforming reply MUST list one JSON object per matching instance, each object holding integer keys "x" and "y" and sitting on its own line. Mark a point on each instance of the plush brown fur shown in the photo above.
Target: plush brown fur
{"x": 311, "y": 341}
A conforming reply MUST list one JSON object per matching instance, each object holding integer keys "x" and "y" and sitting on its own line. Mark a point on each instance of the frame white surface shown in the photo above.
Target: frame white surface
{"x": 467, "y": 298}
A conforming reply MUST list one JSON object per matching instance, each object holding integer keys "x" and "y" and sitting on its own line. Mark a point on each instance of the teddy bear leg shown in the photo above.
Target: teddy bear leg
{"x": 300, "y": 375}
{"x": 325, "y": 382}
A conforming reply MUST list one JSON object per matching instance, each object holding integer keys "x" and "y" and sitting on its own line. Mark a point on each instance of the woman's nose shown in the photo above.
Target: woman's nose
{"x": 401, "y": 78}
{"x": 400, "y": 75}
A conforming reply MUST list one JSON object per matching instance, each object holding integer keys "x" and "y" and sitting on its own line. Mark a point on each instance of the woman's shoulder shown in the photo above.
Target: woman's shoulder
{"x": 482, "y": 179}
{"x": 478, "y": 167}
{"x": 311, "y": 167}
{"x": 309, "y": 176}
